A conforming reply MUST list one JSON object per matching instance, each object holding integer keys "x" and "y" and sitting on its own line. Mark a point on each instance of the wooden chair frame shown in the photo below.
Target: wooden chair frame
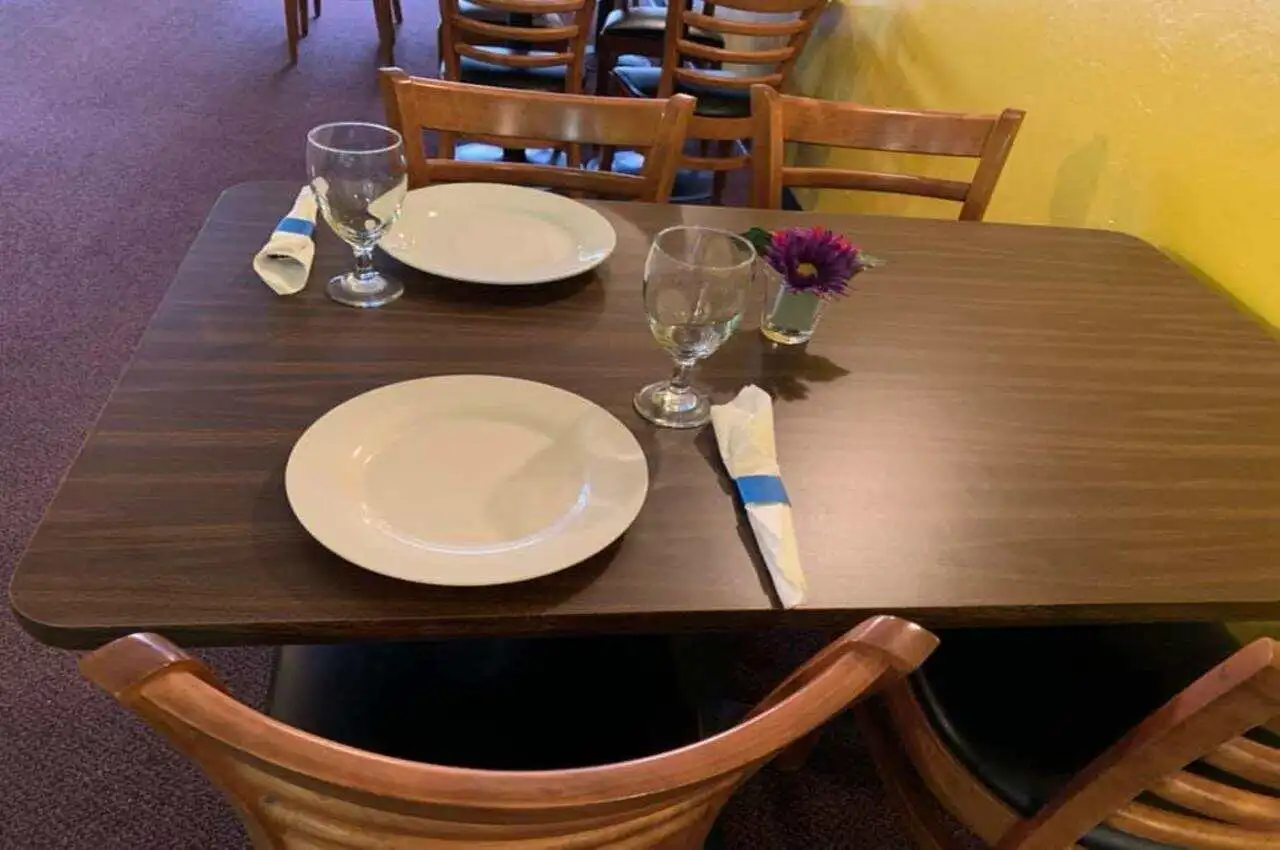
{"x": 1205, "y": 721}
{"x": 611, "y": 45}
{"x": 782, "y": 118}
{"x": 387, "y": 14}
{"x": 293, "y": 789}
{"x": 728, "y": 133}
{"x": 511, "y": 118}
{"x": 475, "y": 39}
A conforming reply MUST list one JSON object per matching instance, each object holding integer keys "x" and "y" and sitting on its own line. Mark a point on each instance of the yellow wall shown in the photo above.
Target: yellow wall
{"x": 1160, "y": 118}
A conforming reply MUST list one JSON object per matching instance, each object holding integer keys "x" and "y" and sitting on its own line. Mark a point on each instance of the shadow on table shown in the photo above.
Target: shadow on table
{"x": 786, "y": 372}
{"x": 420, "y": 285}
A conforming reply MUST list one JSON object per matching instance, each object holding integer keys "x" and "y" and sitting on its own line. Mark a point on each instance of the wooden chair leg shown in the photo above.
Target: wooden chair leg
{"x": 317, "y": 13}
{"x": 304, "y": 19}
{"x": 397, "y": 11}
{"x": 386, "y": 31}
{"x": 606, "y": 158}
{"x": 605, "y": 60}
{"x": 291, "y": 29}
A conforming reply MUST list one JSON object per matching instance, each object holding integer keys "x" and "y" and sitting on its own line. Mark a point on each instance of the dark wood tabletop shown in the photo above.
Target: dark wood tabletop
{"x": 1003, "y": 425}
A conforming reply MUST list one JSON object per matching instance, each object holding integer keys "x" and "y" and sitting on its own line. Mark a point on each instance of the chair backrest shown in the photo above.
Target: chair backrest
{"x": 295, "y": 790}
{"x": 684, "y": 61}
{"x": 563, "y": 42}
{"x": 1233, "y": 803}
{"x": 519, "y": 119}
{"x": 781, "y": 118}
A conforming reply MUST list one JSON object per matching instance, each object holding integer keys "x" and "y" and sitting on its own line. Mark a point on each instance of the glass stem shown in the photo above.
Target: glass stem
{"x": 365, "y": 273}
{"x": 680, "y": 376}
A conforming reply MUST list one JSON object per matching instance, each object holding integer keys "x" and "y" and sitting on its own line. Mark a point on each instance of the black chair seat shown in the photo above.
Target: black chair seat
{"x": 481, "y": 73}
{"x": 712, "y": 102}
{"x": 651, "y": 22}
{"x": 1026, "y": 709}
{"x": 527, "y": 704}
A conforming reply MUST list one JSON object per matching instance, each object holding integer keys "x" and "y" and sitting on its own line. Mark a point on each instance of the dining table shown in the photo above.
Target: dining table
{"x": 1002, "y": 425}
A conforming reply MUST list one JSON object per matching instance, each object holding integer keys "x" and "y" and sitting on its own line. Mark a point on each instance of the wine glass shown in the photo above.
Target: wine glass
{"x": 696, "y": 281}
{"x": 359, "y": 177}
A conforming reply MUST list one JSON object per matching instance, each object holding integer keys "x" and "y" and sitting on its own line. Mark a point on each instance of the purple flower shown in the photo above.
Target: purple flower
{"x": 813, "y": 259}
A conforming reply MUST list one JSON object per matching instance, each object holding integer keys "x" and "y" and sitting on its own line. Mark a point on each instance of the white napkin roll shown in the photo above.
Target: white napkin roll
{"x": 744, "y": 433}
{"x": 285, "y": 261}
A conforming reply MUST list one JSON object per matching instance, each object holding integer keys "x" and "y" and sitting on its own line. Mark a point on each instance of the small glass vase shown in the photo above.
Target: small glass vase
{"x": 789, "y": 317}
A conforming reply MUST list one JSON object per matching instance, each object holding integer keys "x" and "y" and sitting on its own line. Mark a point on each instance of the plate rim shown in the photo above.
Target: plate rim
{"x": 528, "y": 280}
{"x": 626, "y": 518}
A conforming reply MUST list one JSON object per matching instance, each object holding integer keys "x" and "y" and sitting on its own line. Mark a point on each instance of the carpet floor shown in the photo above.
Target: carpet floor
{"x": 120, "y": 123}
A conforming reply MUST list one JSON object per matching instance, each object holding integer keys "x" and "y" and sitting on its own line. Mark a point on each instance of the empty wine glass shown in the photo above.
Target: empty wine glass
{"x": 696, "y": 281}
{"x": 359, "y": 177}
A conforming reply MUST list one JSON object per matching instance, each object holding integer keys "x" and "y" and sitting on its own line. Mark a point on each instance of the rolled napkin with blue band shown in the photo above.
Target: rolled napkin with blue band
{"x": 744, "y": 433}
{"x": 285, "y": 261}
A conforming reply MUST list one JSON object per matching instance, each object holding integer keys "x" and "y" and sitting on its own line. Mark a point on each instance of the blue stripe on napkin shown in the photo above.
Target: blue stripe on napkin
{"x": 296, "y": 225}
{"x": 762, "y": 490}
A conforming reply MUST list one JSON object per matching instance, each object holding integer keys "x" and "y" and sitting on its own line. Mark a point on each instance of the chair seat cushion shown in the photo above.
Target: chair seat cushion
{"x": 518, "y": 704}
{"x": 1026, "y": 709}
{"x": 651, "y": 22}
{"x": 481, "y": 73}
{"x": 712, "y": 102}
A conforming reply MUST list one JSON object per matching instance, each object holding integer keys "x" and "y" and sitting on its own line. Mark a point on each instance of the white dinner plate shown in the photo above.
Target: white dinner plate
{"x": 466, "y": 480}
{"x": 495, "y": 233}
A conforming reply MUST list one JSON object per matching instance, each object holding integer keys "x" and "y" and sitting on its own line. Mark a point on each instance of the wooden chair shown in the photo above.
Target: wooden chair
{"x": 635, "y": 30}
{"x": 526, "y": 44}
{"x": 723, "y": 115}
{"x": 386, "y": 14}
{"x": 295, "y": 790}
{"x": 519, "y": 119}
{"x": 1200, "y": 771}
{"x": 781, "y": 118}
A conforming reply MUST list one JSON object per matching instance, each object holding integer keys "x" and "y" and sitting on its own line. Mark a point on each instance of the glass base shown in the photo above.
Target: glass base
{"x": 786, "y": 336}
{"x": 663, "y": 405}
{"x": 371, "y": 290}
{"x": 790, "y": 317}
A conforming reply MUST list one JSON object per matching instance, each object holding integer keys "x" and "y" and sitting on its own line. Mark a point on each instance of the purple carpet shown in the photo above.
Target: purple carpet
{"x": 120, "y": 123}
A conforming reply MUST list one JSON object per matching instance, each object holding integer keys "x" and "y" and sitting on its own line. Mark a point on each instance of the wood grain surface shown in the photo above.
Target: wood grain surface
{"x": 1003, "y": 425}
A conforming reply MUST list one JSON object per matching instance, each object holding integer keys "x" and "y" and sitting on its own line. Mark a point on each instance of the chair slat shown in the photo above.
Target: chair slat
{"x": 1233, "y": 805}
{"x": 514, "y": 60}
{"x": 528, "y": 174}
{"x": 853, "y": 126}
{"x": 756, "y": 29}
{"x": 872, "y": 181}
{"x": 1249, "y": 760}
{"x": 724, "y": 81}
{"x": 748, "y": 57}
{"x": 502, "y": 32}
{"x": 1185, "y": 831}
